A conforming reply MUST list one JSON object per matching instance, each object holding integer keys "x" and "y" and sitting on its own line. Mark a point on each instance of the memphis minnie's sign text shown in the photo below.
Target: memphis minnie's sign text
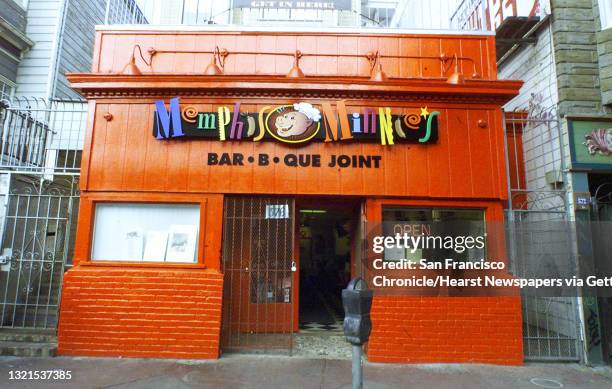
{"x": 297, "y": 124}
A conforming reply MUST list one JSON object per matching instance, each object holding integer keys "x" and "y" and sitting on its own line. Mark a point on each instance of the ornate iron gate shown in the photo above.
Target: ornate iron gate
{"x": 40, "y": 157}
{"x": 537, "y": 227}
{"x": 260, "y": 274}
{"x": 36, "y": 248}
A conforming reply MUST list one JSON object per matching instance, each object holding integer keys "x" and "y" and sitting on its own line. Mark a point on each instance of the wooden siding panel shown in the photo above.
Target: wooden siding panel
{"x": 41, "y": 28}
{"x": 98, "y": 143}
{"x": 475, "y": 47}
{"x": 140, "y": 117}
{"x": 438, "y": 159}
{"x": 409, "y": 67}
{"x": 155, "y": 161}
{"x": 482, "y": 153}
{"x": 463, "y": 163}
{"x": 347, "y": 65}
{"x": 261, "y": 184}
{"x": 430, "y": 47}
{"x": 459, "y": 153}
{"x": 391, "y": 47}
{"x": 327, "y": 66}
{"x": 184, "y": 62}
{"x": 265, "y": 64}
{"x": 115, "y": 146}
{"x": 471, "y": 48}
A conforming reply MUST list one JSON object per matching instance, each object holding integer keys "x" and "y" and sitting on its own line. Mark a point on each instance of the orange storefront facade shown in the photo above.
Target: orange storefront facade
{"x": 236, "y": 167}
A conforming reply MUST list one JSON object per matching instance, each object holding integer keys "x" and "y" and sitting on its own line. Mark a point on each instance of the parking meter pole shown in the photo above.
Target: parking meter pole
{"x": 357, "y": 368}
{"x": 357, "y": 302}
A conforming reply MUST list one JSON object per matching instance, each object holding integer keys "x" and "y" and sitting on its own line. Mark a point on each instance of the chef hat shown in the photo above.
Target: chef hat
{"x": 307, "y": 109}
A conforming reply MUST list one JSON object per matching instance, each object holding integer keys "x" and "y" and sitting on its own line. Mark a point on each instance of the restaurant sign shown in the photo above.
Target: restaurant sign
{"x": 297, "y": 123}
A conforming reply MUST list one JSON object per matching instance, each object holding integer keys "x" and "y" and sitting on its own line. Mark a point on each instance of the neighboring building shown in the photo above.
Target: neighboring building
{"x": 42, "y": 132}
{"x": 13, "y": 44}
{"x": 344, "y": 13}
{"x": 560, "y": 128}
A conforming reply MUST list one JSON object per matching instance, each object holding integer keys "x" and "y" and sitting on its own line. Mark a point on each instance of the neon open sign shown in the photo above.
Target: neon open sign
{"x": 297, "y": 123}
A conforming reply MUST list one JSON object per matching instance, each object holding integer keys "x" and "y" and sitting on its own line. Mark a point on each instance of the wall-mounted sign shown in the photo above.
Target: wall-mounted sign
{"x": 295, "y": 160}
{"x": 591, "y": 144}
{"x": 294, "y": 4}
{"x": 277, "y": 211}
{"x": 297, "y": 123}
{"x": 582, "y": 201}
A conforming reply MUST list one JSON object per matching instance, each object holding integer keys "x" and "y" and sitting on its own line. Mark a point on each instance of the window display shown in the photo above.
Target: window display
{"x": 146, "y": 232}
{"x": 446, "y": 223}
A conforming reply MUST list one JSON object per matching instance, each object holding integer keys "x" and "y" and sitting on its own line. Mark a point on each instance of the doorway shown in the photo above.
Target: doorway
{"x": 285, "y": 263}
{"x": 600, "y": 187}
{"x": 326, "y": 246}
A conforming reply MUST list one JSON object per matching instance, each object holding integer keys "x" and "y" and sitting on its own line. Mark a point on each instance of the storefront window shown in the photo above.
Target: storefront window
{"x": 460, "y": 226}
{"x": 146, "y": 232}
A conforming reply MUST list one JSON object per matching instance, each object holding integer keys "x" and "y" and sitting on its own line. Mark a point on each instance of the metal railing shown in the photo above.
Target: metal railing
{"x": 41, "y": 136}
{"x": 405, "y": 14}
{"x": 470, "y": 15}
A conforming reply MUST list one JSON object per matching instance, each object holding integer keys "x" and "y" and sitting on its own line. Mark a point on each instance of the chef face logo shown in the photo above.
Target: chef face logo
{"x": 295, "y": 123}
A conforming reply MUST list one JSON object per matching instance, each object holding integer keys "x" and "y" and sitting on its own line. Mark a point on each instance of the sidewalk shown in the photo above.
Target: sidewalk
{"x": 266, "y": 372}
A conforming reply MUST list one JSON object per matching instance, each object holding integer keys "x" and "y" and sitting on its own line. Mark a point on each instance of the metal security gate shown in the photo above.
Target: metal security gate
{"x": 36, "y": 247}
{"x": 551, "y": 325}
{"x": 40, "y": 157}
{"x": 539, "y": 235}
{"x": 601, "y": 214}
{"x": 259, "y": 299}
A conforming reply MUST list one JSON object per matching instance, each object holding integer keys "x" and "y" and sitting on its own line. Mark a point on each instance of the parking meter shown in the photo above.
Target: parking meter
{"x": 357, "y": 302}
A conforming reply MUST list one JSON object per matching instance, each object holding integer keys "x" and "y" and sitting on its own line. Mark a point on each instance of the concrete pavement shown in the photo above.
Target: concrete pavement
{"x": 269, "y": 372}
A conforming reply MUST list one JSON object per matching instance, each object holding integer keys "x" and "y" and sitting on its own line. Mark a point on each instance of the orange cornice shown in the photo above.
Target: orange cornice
{"x": 95, "y": 85}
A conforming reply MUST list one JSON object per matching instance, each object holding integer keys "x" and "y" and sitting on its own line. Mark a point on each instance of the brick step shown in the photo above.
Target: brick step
{"x": 27, "y": 336}
{"x": 28, "y": 349}
{"x": 42, "y": 322}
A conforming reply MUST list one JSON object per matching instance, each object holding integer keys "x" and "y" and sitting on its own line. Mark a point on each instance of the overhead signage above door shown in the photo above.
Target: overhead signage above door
{"x": 297, "y": 123}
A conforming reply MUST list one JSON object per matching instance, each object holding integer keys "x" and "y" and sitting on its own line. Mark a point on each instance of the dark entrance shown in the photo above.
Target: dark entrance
{"x": 327, "y": 233}
{"x": 600, "y": 187}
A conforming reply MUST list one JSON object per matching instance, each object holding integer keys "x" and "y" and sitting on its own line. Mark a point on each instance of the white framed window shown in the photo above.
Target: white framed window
{"x": 137, "y": 232}
{"x": 7, "y": 88}
{"x": 605, "y": 13}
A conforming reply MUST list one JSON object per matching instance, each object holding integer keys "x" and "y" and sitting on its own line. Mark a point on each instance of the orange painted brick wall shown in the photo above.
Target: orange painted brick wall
{"x": 446, "y": 330}
{"x": 136, "y": 312}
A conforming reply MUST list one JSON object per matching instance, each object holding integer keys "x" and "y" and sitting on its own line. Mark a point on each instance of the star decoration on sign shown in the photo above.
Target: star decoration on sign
{"x": 424, "y": 112}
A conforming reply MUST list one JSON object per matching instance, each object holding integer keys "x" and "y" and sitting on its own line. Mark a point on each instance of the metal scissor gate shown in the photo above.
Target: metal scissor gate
{"x": 260, "y": 274}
